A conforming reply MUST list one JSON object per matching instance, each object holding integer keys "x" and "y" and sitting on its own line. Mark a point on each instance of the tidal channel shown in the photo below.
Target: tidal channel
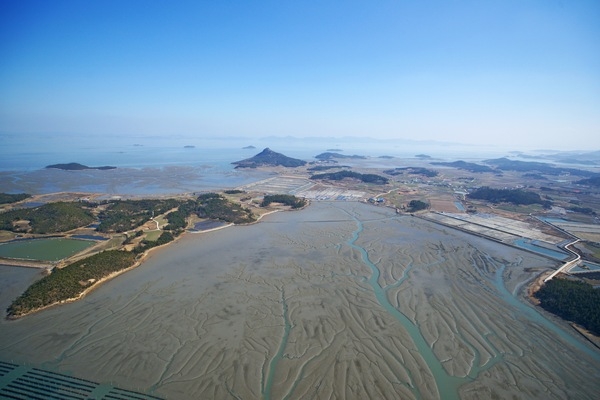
{"x": 339, "y": 300}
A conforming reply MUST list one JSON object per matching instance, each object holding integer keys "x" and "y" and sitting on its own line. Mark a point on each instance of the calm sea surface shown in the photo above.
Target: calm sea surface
{"x": 149, "y": 165}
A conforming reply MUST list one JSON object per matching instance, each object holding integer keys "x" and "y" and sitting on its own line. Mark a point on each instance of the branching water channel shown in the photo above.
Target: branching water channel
{"x": 443, "y": 380}
{"x": 448, "y": 385}
{"x": 357, "y": 303}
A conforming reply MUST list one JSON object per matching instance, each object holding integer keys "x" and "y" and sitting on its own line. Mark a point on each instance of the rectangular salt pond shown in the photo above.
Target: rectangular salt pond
{"x": 532, "y": 246}
{"x": 586, "y": 266}
{"x": 48, "y": 249}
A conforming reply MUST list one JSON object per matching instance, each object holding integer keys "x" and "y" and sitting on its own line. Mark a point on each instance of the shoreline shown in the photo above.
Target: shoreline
{"x": 535, "y": 285}
{"x": 138, "y": 262}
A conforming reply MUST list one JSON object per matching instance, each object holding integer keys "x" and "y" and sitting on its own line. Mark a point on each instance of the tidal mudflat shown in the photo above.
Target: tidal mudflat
{"x": 339, "y": 300}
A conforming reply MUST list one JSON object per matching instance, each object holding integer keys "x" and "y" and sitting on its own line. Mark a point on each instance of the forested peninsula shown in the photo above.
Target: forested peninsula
{"x": 572, "y": 300}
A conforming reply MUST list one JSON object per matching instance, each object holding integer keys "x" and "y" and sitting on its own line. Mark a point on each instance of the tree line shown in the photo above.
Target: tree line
{"x": 287, "y": 199}
{"x": 7, "y": 198}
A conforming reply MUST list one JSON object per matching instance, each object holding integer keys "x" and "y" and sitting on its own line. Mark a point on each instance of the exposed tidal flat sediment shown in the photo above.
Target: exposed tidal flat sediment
{"x": 339, "y": 300}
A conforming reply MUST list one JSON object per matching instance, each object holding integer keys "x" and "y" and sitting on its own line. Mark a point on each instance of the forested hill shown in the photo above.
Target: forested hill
{"x": 514, "y": 196}
{"x": 574, "y": 301}
{"x": 338, "y": 176}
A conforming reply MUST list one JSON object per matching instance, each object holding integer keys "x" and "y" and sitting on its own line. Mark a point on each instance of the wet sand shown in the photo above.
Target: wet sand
{"x": 340, "y": 300}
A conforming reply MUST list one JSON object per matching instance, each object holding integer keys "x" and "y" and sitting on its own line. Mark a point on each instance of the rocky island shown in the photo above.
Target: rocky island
{"x": 269, "y": 158}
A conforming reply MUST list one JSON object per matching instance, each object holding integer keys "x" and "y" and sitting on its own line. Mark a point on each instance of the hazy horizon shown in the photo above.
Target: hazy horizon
{"x": 517, "y": 75}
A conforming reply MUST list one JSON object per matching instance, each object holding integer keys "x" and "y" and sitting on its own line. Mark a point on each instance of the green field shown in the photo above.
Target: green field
{"x": 51, "y": 249}
{"x": 153, "y": 235}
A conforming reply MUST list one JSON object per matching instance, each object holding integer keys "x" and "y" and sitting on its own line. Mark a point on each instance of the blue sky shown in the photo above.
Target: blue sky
{"x": 479, "y": 72}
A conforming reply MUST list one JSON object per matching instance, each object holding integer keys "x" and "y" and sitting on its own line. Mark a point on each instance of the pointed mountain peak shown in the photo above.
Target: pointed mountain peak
{"x": 269, "y": 158}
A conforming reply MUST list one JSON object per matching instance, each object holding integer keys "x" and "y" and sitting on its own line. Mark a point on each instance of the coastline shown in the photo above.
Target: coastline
{"x": 139, "y": 261}
{"x": 535, "y": 285}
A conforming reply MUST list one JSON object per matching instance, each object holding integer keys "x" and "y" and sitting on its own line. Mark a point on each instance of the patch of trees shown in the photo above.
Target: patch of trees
{"x": 287, "y": 199}
{"x": 234, "y": 191}
{"x": 70, "y": 281}
{"x": 412, "y": 170}
{"x": 572, "y": 300}
{"x": 213, "y": 205}
{"x": 178, "y": 219}
{"x": 417, "y": 205}
{"x": 514, "y": 196}
{"x": 6, "y": 198}
{"x": 164, "y": 238}
{"x": 338, "y": 176}
{"x": 583, "y": 210}
{"x": 49, "y": 218}
{"x": 125, "y": 215}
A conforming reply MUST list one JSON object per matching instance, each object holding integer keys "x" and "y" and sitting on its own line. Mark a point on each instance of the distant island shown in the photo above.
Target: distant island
{"x": 269, "y": 158}
{"x": 329, "y": 156}
{"x": 423, "y": 156}
{"x": 189, "y": 146}
{"x": 249, "y": 147}
{"x": 77, "y": 167}
{"x": 334, "y": 150}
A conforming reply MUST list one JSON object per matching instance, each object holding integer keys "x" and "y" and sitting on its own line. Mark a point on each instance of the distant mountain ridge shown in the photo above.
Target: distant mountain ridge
{"x": 77, "y": 167}
{"x": 269, "y": 158}
{"x": 528, "y": 166}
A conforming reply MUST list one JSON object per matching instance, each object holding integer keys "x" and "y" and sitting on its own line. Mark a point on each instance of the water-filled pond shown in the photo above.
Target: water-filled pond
{"x": 532, "y": 246}
{"x": 47, "y": 249}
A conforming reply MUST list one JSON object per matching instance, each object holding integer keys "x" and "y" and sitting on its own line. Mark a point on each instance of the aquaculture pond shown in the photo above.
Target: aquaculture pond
{"x": 49, "y": 249}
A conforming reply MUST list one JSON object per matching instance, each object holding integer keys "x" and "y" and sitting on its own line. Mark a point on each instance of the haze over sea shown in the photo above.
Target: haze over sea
{"x": 174, "y": 168}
